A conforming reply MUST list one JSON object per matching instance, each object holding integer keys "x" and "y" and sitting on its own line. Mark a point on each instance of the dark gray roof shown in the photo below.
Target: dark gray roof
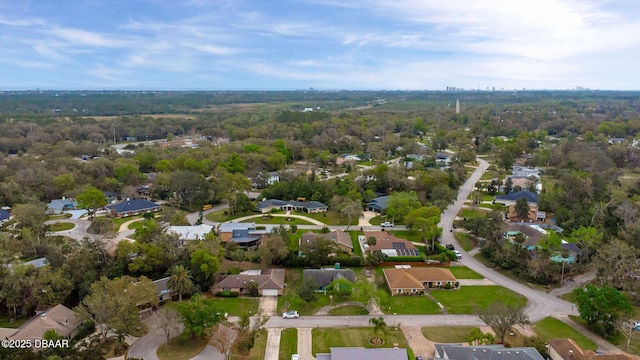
{"x": 4, "y": 214}
{"x": 162, "y": 285}
{"x": 379, "y": 203}
{"x": 490, "y": 352}
{"x": 347, "y": 353}
{"x": 516, "y": 195}
{"x": 243, "y": 236}
{"x": 532, "y": 235}
{"x": 571, "y": 247}
{"x": 133, "y": 205}
{"x": 302, "y": 204}
{"x": 324, "y": 277}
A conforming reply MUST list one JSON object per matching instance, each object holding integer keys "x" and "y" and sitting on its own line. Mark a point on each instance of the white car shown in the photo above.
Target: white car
{"x": 290, "y": 315}
{"x": 458, "y": 255}
{"x": 386, "y": 224}
{"x": 295, "y": 357}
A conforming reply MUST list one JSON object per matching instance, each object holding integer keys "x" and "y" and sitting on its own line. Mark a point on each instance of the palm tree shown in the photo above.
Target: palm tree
{"x": 180, "y": 280}
{"x": 378, "y": 324}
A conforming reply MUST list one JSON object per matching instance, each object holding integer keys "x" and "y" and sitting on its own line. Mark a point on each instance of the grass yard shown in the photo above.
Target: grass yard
{"x": 410, "y": 304}
{"x": 180, "y": 348}
{"x": 552, "y": 328}
{"x": 259, "y": 346}
{"x": 471, "y": 214}
{"x": 348, "y": 310}
{"x": 468, "y": 299}
{"x": 463, "y": 272}
{"x": 291, "y": 301}
{"x": 447, "y": 334}
{"x": 135, "y": 225}
{"x": 323, "y": 339}
{"x": 276, "y": 220}
{"x": 288, "y": 343}
{"x": 357, "y": 250}
{"x": 61, "y": 226}
{"x": 223, "y": 215}
{"x": 465, "y": 240}
{"x": 234, "y": 306}
{"x": 331, "y": 218}
{"x": 408, "y": 235}
{"x": 6, "y": 322}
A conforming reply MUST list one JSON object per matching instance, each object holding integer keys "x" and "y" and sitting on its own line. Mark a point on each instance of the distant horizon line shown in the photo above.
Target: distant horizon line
{"x": 453, "y": 90}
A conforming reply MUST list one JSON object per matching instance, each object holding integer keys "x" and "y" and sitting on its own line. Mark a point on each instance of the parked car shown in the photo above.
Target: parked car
{"x": 290, "y": 315}
{"x": 450, "y": 247}
{"x": 458, "y": 255}
{"x": 419, "y": 358}
{"x": 386, "y": 224}
{"x": 295, "y": 357}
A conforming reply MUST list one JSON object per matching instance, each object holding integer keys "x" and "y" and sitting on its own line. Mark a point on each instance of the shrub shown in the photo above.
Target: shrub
{"x": 228, "y": 294}
{"x": 457, "y": 284}
{"x": 447, "y": 286}
{"x": 86, "y": 329}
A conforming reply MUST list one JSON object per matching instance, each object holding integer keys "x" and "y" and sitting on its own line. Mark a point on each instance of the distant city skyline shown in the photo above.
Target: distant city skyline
{"x": 320, "y": 44}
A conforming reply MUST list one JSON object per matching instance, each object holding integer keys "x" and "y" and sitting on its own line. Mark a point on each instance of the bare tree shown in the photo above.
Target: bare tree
{"x": 502, "y": 317}
{"x": 168, "y": 322}
{"x": 222, "y": 338}
{"x": 627, "y": 328}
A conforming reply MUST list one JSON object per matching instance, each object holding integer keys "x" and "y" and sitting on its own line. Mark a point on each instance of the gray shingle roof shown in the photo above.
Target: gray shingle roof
{"x": 324, "y": 277}
{"x": 301, "y": 204}
{"x": 379, "y": 203}
{"x": 347, "y": 353}
{"x": 133, "y": 205}
{"x": 490, "y": 352}
{"x": 516, "y": 195}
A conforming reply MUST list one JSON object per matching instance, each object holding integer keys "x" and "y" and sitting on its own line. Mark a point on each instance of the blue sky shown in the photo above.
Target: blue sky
{"x": 325, "y": 44}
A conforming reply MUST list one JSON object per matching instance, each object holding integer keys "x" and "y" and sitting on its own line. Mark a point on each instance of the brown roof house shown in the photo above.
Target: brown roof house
{"x": 340, "y": 238}
{"x": 389, "y": 245}
{"x": 567, "y": 349}
{"x": 59, "y": 318}
{"x": 270, "y": 282}
{"x": 414, "y": 281}
{"x": 534, "y": 215}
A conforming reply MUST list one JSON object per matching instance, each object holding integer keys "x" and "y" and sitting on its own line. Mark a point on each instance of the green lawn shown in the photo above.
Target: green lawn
{"x": 259, "y": 346}
{"x": 331, "y": 218}
{"x": 323, "y": 339}
{"x": 278, "y": 220}
{"x": 61, "y": 226}
{"x": 447, "y": 334}
{"x": 135, "y": 225}
{"x": 552, "y": 328}
{"x": 234, "y": 306}
{"x": 408, "y": 235}
{"x": 357, "y": 250}
{"x": 348, "y": 310}
{"x": 410, "y": 304}
{"x": 471, "y": 214}
{"x": 463, "y": 272}
{"x": 223, "y": 215}
{"x": 6, "y": 322}
{"x": 469, "y": 299}
{"x": 180, "y": 348}
{"x": 119, "y": 221}
{"x": 288, "y": 343}
{"x": 465, "y": 240}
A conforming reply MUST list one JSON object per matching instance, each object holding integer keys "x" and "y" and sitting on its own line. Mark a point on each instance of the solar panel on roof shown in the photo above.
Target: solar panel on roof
{"x": 399, "y": 245}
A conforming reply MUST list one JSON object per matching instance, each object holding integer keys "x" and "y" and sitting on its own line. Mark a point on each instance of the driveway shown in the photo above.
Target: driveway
{"x": 273, "y": 344}
{"x": 305, "y": 349}
{"x": 268, "y": 306}
{"x": 420, "y": 345}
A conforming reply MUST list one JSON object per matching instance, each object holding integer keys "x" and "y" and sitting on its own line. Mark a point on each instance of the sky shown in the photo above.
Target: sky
{"x": 324, "y": 44}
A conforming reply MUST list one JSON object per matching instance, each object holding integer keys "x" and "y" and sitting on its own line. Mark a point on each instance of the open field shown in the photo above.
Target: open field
{"x": 463, "y": 272}
{"x": 447, "y": 334}
{"x": 552, "y": 328}
{"x": 469, "y": 299}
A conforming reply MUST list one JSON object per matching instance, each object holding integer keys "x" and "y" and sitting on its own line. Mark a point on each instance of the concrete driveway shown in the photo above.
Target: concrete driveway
{"x": 273, "y": 344}
{"x": 420, "y": 345}
{"x": 268, "y": 306}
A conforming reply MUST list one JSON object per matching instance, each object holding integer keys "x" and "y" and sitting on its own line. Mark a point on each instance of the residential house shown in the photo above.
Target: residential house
{"x": 4, "y": 216}
{"x": 341, "y": 239}
{"x": 378, "y": 204}
{"x": 520, "y": 182}
{"x": 270, "y": 282}
{"x": 525, "y": 171}
{"x": 567, "y": 349}
{"x": 132, "y": 207}
{"x": 323, "y": 277}
{"x": 59, "y": 318}
{"x": 36, "y": 263}
{"x": 59, "y": 206}
{"x": 348, "y": 353}
{"x": 443, "y": 159}
{"x": 534, "y": 215}
{"x": 485, "y": 352}
{"x": 112, "y": 196}
{"x": 414, "y": 281}
{"x": 244, "y": 234}
{"x": 388, "y": 244}
{"x": 347, "y": 159}
{"x": 164, "y": 293}
{"x": 512, "y": 197}
{"x": 190, "y": 233}
{"x": 532, "y": 234}
{"x": 310, "y": 207}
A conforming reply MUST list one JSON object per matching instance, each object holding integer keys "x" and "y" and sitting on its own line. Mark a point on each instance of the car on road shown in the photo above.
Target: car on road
{"x": 290, "y": 315}
{"x": 295, "y": 357}
{"x": 450, "y": 247}
{"x": 419, "y": 358}
{"x": 458, "y": 255}
{"x": 386, "y": 224}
